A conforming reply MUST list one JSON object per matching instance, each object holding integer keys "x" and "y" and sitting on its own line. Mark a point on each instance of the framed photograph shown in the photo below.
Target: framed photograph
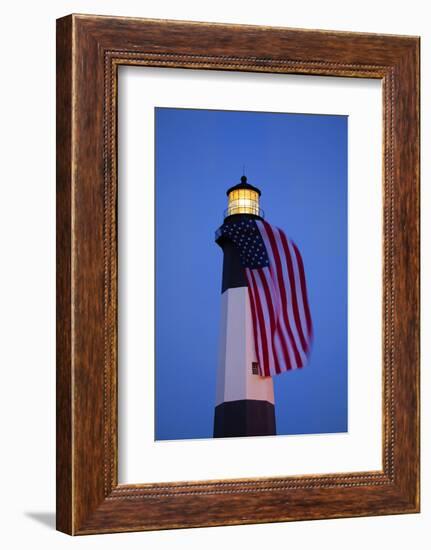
{"x": 237, "y": 274}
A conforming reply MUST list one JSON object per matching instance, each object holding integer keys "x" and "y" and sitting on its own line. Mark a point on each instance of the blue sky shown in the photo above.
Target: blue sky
{"x": 300, "y": 164}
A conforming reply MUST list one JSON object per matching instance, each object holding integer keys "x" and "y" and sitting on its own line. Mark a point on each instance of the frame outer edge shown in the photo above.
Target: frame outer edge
{"x": 64, "y": 368}
{"x": 407, "y": 274}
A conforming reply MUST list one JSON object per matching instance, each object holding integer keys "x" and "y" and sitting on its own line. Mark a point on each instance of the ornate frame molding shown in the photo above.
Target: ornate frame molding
{"x": 90, "y": 49}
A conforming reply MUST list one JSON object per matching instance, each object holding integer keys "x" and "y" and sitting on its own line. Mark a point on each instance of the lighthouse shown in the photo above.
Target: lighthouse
{"x": 244, "y": 398}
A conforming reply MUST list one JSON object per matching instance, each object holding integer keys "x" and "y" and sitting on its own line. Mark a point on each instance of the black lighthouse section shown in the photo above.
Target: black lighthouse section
{"x": 245, "y": 417}
{"x": 233, "y": 271}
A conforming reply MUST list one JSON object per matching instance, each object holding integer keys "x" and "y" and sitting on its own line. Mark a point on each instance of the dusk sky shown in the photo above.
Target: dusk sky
{"x": 300, "y": 164}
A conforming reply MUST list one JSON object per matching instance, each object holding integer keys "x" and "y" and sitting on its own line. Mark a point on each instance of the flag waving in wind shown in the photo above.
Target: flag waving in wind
{"x": 275, "y": 274}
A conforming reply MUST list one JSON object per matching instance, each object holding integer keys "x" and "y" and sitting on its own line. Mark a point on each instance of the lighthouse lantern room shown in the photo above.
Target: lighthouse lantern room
{"x": 243, "y": 199}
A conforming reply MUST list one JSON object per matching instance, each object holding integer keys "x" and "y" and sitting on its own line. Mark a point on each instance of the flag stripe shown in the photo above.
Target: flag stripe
{"x": 263, "y": 360}
{"x": 299, "y": 297}
{"x": 294, "y": 289}
{"x": 288, "y": 343}
{"x": 269, "y": 305}
{"x": 304, "y": 290}
{"x": 268, "y": 328}
{"x": 286, "y": 314}
{"x": 286, "y": 282}
{"x": 256, "y": 327}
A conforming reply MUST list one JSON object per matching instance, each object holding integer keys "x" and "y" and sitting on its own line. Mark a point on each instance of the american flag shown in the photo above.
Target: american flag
{"x": 275, "y": 274}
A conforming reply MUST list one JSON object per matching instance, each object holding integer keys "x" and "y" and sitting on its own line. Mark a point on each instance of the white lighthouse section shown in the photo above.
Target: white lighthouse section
{"x": 237, "y": 375}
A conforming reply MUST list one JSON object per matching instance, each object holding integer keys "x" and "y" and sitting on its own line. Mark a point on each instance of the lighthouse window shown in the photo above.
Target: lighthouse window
{"x": 243, "y": 201}
{"x": 255, "y": 368}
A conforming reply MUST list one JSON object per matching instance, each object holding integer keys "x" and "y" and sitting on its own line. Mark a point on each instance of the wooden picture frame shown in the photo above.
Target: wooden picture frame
{"x": 89, "y": 51}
